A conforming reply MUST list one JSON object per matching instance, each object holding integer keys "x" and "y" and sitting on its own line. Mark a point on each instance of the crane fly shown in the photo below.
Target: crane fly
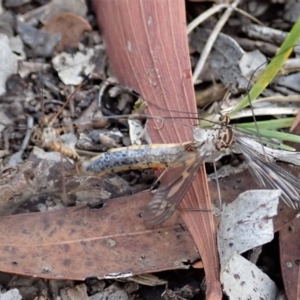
{"x": 182, "y": 162}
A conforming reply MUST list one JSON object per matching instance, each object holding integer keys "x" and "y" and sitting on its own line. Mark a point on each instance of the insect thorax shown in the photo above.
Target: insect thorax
{"x": 218, "y": 137}
{"x": 224, "y": 137}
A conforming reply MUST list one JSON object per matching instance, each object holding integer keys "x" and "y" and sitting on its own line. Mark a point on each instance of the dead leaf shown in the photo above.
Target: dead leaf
{"x": 147, "y": 279}
{"x": 76, "y": 243}
{"x": 235, "y": 184}
{"x": 55, "y": 7}
{"x": 71, "y": 67}
{"x": 244, "y": 280}
{"x": 9, "y": 62}
{"x": 71, "y": 26}
{"x": 114, "y": 292}
{"x": 12, "y": 294}
{"x": 42, "y": 42}
{"x": 186, "y": 292}
{"x": 230, "y": 65}
{"x": 79, "y": 292}
{"x": 13, "y": 182}
{"x": 247, "y": 223}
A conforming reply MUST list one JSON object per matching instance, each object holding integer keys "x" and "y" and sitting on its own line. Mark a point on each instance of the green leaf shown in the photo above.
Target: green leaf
{"x": 273, "y": 68}
{"x": 270, "y": 124}
{"x": 272, "y": 134}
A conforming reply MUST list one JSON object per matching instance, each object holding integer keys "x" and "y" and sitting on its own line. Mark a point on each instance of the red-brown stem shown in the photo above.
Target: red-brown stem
{"x": 147, "y": 45}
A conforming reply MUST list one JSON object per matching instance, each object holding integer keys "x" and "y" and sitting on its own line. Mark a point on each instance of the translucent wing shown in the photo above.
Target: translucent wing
{"x": 270, "y": 175}
{"x": 174, "y": 184}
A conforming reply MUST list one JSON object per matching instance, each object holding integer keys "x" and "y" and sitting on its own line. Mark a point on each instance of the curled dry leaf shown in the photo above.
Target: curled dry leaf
{"x": 71, "y": 26}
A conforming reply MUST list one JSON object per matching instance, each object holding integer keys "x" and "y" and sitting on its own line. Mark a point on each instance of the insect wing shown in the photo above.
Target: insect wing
{"x": 174, "y": 184}
{"x": 270, "y": 175}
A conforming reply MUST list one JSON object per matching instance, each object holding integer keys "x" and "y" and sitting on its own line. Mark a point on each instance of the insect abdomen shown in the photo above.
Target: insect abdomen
{"x": 135, "y": 157}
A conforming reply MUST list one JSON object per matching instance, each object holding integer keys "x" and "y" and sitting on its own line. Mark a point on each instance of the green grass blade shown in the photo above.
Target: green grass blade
{"x": 273, "y": 68}
{"x": 271, "y": 134}
{"x": 270, "y": 124}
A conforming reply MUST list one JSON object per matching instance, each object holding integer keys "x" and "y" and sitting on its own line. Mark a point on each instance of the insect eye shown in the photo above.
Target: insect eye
{"x": 224, "y": 119}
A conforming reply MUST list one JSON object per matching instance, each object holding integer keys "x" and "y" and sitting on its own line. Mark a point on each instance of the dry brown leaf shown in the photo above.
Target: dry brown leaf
{"x": 76, "y": 243}
{"x": 71, "y": 26}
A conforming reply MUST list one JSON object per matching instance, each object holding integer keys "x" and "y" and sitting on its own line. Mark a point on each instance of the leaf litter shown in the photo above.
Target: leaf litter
{"x": 11, "y": 104}
{"x": 245, "y": 224}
